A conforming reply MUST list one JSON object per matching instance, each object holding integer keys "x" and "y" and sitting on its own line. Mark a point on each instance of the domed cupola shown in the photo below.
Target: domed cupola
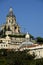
{"x": 27, "y": 35}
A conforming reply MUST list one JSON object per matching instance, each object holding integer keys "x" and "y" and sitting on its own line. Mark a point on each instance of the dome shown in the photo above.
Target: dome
{"x": 27, "y": 35}
{"x": 26, "y": 44}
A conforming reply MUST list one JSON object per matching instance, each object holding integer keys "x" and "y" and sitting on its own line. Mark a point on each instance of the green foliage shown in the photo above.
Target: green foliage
{"x": 31, "y": 36}
{"x": 18, "y": 58}
{"x": 15, "y": 57}
{"x": 39, "y": 39}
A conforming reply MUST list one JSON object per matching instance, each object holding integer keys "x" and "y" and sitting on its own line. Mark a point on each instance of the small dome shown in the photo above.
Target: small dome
{"x": 27, "y": 35}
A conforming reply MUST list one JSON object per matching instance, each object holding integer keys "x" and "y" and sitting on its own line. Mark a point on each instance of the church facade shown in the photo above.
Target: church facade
{"x": 10, "y": 35}
{"x": 12, "y": 38}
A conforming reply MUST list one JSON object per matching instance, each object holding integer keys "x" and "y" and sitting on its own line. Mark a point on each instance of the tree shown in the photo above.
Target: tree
{"x": 15, "y": 58}
{"x": 39, "y": 39}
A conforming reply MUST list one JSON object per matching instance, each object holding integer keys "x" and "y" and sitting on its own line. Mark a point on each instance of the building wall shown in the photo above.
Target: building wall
{"x": 8, "y": 46}
{"x": 38, "y": 53}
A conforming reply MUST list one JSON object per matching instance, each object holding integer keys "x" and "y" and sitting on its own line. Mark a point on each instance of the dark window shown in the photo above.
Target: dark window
{"x": 15, "y": 27}
{"x": 6, "y": 45}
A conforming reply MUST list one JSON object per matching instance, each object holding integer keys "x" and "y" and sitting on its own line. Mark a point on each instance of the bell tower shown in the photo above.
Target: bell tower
{"x": 10, "y": 18}
{"x": 11, "y": 22}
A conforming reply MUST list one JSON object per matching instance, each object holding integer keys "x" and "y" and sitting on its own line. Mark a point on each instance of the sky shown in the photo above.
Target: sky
{"x": 29, "y": 15}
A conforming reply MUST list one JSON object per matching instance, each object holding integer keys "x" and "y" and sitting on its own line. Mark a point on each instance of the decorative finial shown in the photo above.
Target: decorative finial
{"x": 10, "y": 10}
{"x": 27, "y": 35}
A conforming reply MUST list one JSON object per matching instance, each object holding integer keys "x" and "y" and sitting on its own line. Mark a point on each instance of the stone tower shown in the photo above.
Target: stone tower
{"x": 11, "y": 24}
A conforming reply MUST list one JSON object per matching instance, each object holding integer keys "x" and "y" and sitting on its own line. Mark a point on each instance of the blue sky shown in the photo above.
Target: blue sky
{"x": 29, "y": 14}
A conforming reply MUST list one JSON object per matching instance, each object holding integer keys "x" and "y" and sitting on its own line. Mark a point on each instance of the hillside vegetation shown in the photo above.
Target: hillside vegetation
{"x": 18, "y": 58}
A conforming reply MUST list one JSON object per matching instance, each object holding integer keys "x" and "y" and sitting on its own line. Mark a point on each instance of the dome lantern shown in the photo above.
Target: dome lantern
{"x": 10, "y": 10}
{"x": 27, "y": 36}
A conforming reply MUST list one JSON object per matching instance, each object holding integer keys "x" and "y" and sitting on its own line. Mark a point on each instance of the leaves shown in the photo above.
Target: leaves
{"x": 15, "y": 57}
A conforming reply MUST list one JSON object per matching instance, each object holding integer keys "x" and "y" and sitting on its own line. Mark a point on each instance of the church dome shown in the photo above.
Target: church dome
{"x": 24, "y": 44}
{"x": 28, "y": 43}
{"x": 27, "y": 35}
